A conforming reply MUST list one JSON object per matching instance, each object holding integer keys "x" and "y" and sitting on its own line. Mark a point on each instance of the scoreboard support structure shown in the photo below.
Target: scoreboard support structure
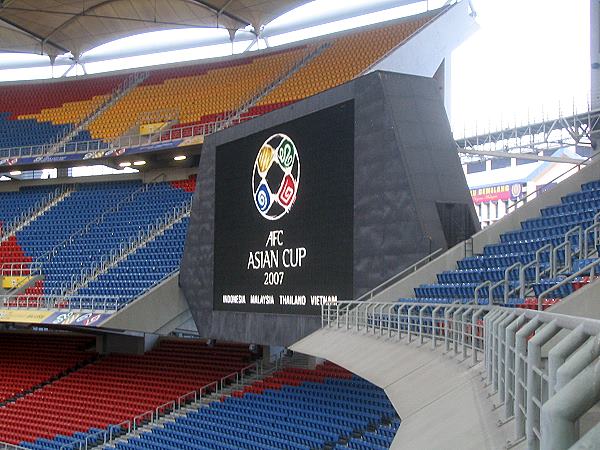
{"x": 321, "y": 200}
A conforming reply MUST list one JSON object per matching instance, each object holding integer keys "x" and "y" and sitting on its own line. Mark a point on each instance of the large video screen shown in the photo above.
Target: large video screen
{"x": 284, "y": 216}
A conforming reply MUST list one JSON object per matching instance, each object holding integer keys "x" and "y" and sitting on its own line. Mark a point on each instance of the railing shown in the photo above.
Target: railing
{"x": 127, "y": 85}
{"x": 150, "y": 417}
{"x": 153, "y": 416}
{"x": 590, "y": 269}
{"x": 452, "y": 325}
{"x": 575, "y": 245}
{"x": 98, "y": 145}
{"x": 399, "y": 276}
{"x": 543, "y": 396}
{"x": 236, "y": 115}
{"x": 12, "y": 227}
{"x": 113, "y": 258}
{"x": 21, "y": 269}
{"x": 99, "y": 219}
{"x": 7, "y": 446}
{"x": 92, "y": 303}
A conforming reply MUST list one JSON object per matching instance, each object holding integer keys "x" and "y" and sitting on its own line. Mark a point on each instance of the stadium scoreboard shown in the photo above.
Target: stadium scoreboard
{"x": 284, "y": 208}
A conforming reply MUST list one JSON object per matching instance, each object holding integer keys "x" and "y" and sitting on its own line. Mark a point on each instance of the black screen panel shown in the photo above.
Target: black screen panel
{"x": 284, "y": 216}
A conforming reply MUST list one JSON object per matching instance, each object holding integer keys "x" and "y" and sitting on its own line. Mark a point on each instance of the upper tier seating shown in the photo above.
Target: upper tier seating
{"x": 23, "y": 99}
{"x": 579, "y": 208}
{"x": 40, "y": 113}
{"x": 197, "y": 91}
{"x": 293, "y": 409}
{"x": 27, "y": 361}
{"x": 21, "y": 133}
{"x": 350, "y": 55}
{"x": 116, "y": 388}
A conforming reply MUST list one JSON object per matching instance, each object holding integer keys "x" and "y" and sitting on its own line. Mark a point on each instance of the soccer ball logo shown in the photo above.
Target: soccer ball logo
{"x": 276, "y": 177}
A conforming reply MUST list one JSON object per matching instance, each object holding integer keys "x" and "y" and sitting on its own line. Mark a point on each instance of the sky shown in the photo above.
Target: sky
{"x": 529, "y": 59}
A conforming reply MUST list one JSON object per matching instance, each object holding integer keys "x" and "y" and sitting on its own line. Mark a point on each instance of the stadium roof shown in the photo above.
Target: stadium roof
{"x": 56, "y": 27}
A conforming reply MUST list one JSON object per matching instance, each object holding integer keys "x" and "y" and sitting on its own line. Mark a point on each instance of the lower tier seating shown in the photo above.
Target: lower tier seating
{"x": 293, "y": 409}
{"x": 27, "y": 361}
{"x": 116, "y": 388}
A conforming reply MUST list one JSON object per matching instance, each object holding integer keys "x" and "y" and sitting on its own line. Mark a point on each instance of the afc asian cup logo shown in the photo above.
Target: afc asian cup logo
{"x": 276, "y": 177}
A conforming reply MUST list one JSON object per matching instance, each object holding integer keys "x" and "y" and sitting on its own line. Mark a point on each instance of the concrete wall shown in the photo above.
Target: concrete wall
{"x": 405, "y": 162}
{"x": 120, "y": 343}
{"x": 595, "y": 52}
{"x": 424, "y": 52}
{"x": 441, "y": 400}
{"x": 491, "y": 234}
{"x": 584, "y": 302}
{"x": 159, "y": 311}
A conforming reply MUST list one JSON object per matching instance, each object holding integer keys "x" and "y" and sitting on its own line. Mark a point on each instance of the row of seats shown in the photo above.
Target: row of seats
{"x": 520, "y": 246}
{"x": 30, "y": 132}
{"x": 214, "y": 90}
{"x": 351, "y": 56}
{"x": 116, "y": 388}
{"x": 88, "y": 225}
{"x": 302, "y": 409}
{"x": 23, "y": 99}
{"x": 40, "y": 113}
{"x": 27, "y": 361}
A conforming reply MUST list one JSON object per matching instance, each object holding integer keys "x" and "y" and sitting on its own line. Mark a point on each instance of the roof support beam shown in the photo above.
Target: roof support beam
{"x": 35, "y": 36}
{"x": 221, "y": 11}
{"x": 530, "y": 156}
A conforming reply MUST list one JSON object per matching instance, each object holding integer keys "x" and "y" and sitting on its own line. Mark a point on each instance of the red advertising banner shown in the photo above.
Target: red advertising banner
{"x": 502, "y": 192}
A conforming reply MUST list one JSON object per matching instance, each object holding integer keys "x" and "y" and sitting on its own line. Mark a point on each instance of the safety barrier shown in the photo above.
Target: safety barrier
{"x": 99, "y": 148}
{"x": 7, "y": 446}
{"x": 543, "y": 394}
{"x": 102, "y": 304}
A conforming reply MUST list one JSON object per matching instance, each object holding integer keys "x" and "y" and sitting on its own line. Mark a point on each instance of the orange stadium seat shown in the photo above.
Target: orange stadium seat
{"x": 201, "y": 93}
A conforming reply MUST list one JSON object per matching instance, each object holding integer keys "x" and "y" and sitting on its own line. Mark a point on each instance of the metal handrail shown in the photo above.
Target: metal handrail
{"x": 7, "y": 446}
{"x": 481, "y": 286}
{"x": 595, "y": 228}
{"x": 176, "y": 214}
{"x": 100, "y": 218}
{"x": 223, "y": 380}
{"x": 96, "y": 145}
{"x": 399, "y": 276}
{"x": 17, "y": 269}
{"x": 536, "y": 392}
{"x": 591, "y": 268}
{"x": 121, "y": 425}
{"x": 11, "y": 229}
{"x": 125, "y": 86}
{"x": 568, "y": 250}
{"x": 53, "y": 302}
{"x": 142, "y": 417}
{"x": 162, "y": 409}
{"x": 185, "y": 397}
